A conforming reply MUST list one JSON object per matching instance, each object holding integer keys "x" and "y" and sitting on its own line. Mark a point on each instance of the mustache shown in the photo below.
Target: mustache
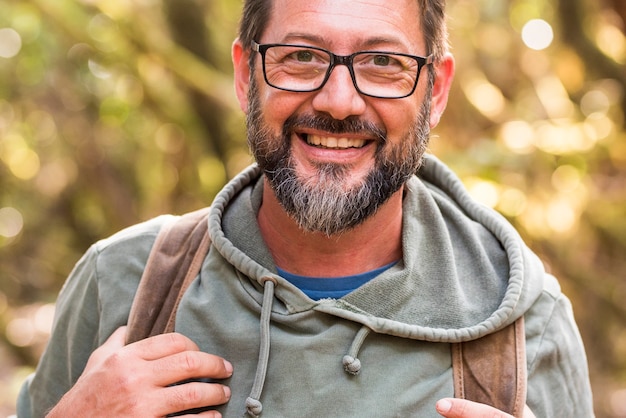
{"x": 350, "y": 125}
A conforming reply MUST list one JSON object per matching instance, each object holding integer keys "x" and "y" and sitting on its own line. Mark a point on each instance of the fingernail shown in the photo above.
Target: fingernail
{"x": 444, "y": 405}
{"x": 228, "y": 367}
{"x": 226, "y": 392}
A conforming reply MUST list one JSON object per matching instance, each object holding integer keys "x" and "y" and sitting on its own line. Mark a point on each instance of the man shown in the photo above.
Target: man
{"x": 360, "y": 273}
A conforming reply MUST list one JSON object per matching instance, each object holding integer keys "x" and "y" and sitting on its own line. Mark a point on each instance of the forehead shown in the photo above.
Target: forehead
{"x": 348, "y": 24}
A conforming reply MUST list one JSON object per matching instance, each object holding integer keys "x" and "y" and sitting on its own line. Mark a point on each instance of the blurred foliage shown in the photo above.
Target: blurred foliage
{"x": 113, "y": 111}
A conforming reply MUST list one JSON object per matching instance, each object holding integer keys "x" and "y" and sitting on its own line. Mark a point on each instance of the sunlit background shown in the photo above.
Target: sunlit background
{"x": 114, "y": 111}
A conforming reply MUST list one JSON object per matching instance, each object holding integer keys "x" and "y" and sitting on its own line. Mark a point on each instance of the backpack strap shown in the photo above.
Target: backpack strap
{"x": 492, "y": 369}
{"x": 174, "y": 262}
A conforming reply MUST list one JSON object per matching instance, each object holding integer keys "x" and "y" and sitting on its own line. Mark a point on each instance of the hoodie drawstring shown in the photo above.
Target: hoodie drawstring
{"x": 351, "y": 363}
{"x": 253, "y": 404}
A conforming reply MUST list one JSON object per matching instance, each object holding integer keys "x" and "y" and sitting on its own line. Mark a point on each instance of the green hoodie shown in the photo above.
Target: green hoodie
{"x": 465, "y": 273}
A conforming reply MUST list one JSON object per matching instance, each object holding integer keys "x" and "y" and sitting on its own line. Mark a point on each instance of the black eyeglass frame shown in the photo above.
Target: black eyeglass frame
{"x": 346, "y": 60}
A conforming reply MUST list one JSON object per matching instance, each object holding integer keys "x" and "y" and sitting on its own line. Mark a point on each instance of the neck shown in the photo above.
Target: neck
{"x": 374, "y": 243}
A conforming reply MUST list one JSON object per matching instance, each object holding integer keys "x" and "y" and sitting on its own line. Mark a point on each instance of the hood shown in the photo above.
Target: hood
{"x": 457, "y": 254}
{"x": 465, "y": 271}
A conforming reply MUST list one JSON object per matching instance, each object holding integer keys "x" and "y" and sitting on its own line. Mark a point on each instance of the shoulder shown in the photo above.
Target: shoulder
{"x": 557, "y": 365}
{"x": 550, "y": 321}
{"x": 141, "y": 233}
{"x": 128, "y": 247}
{"x": 114, "y": 252}
{"x": 103, "y": 284}
{"x": 119, "y": 261}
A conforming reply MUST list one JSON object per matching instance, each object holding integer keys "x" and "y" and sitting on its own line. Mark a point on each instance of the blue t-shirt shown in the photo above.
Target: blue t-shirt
{"x": 331, "y": 287}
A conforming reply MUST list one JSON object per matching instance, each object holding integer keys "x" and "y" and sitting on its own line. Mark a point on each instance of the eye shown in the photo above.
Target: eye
{"x": 303, "y": 56}
{"x": 300, "y": 55}
{"x": 382, "y": 60}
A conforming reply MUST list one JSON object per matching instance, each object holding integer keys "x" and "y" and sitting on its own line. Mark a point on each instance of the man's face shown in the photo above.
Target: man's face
{"x": 333, "y": 156}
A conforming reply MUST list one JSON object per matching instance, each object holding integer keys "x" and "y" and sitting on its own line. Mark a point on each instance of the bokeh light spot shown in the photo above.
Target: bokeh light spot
{"x": 24, "y": 163}
{"x": 98, "y": 70}
{"x": 20, "y": 332}
{"x": 486, "y": 97}
{"x": 595, "y": 101}
{"x": 618, "y": 402}
{"x": 10, "y": 43}
{"x": 561, "y": 216}
{"x": 612, "y": 42}
{"x": 11, "y": 222}
{"x": 518, "y": 136}
{"x": 43, "y": 318}
{"x": 485, "y": 192}
{"x": 537, "y": 34}
{"x": 211, "y": 172}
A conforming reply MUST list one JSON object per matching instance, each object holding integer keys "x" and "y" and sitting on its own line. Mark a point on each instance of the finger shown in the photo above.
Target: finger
{"x": 162, "y": 345}
{"x": 193, "y": 395}
{"x": 206, "y": 414}
{"x": 209, "y": 414}
{"x": 188, "y": 365}
{"x": 528, "y": 413}
{"x": 462, "y": 408}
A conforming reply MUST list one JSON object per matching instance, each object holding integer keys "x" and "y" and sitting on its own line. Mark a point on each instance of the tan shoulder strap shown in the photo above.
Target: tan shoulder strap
{"x": 174, "y": 261}
{"x": 492, "y": 369}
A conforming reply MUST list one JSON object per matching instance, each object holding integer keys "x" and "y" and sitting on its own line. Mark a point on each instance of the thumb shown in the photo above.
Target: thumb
{"x": 462, "y": 408}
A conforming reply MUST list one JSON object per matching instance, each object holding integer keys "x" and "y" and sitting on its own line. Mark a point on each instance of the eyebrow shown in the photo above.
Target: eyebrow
{"x": 321, "y": 40}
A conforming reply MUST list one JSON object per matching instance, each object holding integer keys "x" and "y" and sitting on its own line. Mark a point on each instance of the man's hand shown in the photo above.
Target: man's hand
{"x": 135, "y": 380}
{"x": 461, "y": 408}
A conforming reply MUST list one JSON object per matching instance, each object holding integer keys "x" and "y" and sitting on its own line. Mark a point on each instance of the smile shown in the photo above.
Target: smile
{"x": 333, "y": 142}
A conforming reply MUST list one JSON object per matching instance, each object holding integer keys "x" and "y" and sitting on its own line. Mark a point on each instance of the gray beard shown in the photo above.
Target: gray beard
{"x": 322, "y": 204}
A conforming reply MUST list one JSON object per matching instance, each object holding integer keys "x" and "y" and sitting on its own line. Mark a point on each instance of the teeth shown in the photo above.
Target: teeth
{"x": 335, "y": 143}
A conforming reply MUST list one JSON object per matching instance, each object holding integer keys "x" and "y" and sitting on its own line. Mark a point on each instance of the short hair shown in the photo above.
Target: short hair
{"x": 256, "y": 14}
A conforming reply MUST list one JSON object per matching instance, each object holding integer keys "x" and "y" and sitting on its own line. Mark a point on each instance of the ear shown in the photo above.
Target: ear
{"x": 240, "y": 56}
{"x": 444, "y": 73}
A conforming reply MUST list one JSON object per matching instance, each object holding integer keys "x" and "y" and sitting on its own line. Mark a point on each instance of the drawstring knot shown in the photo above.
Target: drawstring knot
{"x": 351, "y": 364}
{"x": 254, "y": 407}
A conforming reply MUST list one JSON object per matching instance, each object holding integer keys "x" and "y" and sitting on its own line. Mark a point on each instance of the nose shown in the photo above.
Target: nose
{"x": 339, "y": 97}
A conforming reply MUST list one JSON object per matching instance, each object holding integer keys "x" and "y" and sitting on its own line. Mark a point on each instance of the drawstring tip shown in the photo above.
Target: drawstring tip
{"x": 253, "y": 407}
{"x": 351, "y": 365}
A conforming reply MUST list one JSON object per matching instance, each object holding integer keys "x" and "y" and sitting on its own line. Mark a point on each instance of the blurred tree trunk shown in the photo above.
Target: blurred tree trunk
{"x": 186, "y": 22}
{"x": 572, "y": 14}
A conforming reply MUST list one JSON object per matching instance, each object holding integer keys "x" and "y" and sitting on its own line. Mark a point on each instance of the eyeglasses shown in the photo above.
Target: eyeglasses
{"x": 299, "y": 68}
